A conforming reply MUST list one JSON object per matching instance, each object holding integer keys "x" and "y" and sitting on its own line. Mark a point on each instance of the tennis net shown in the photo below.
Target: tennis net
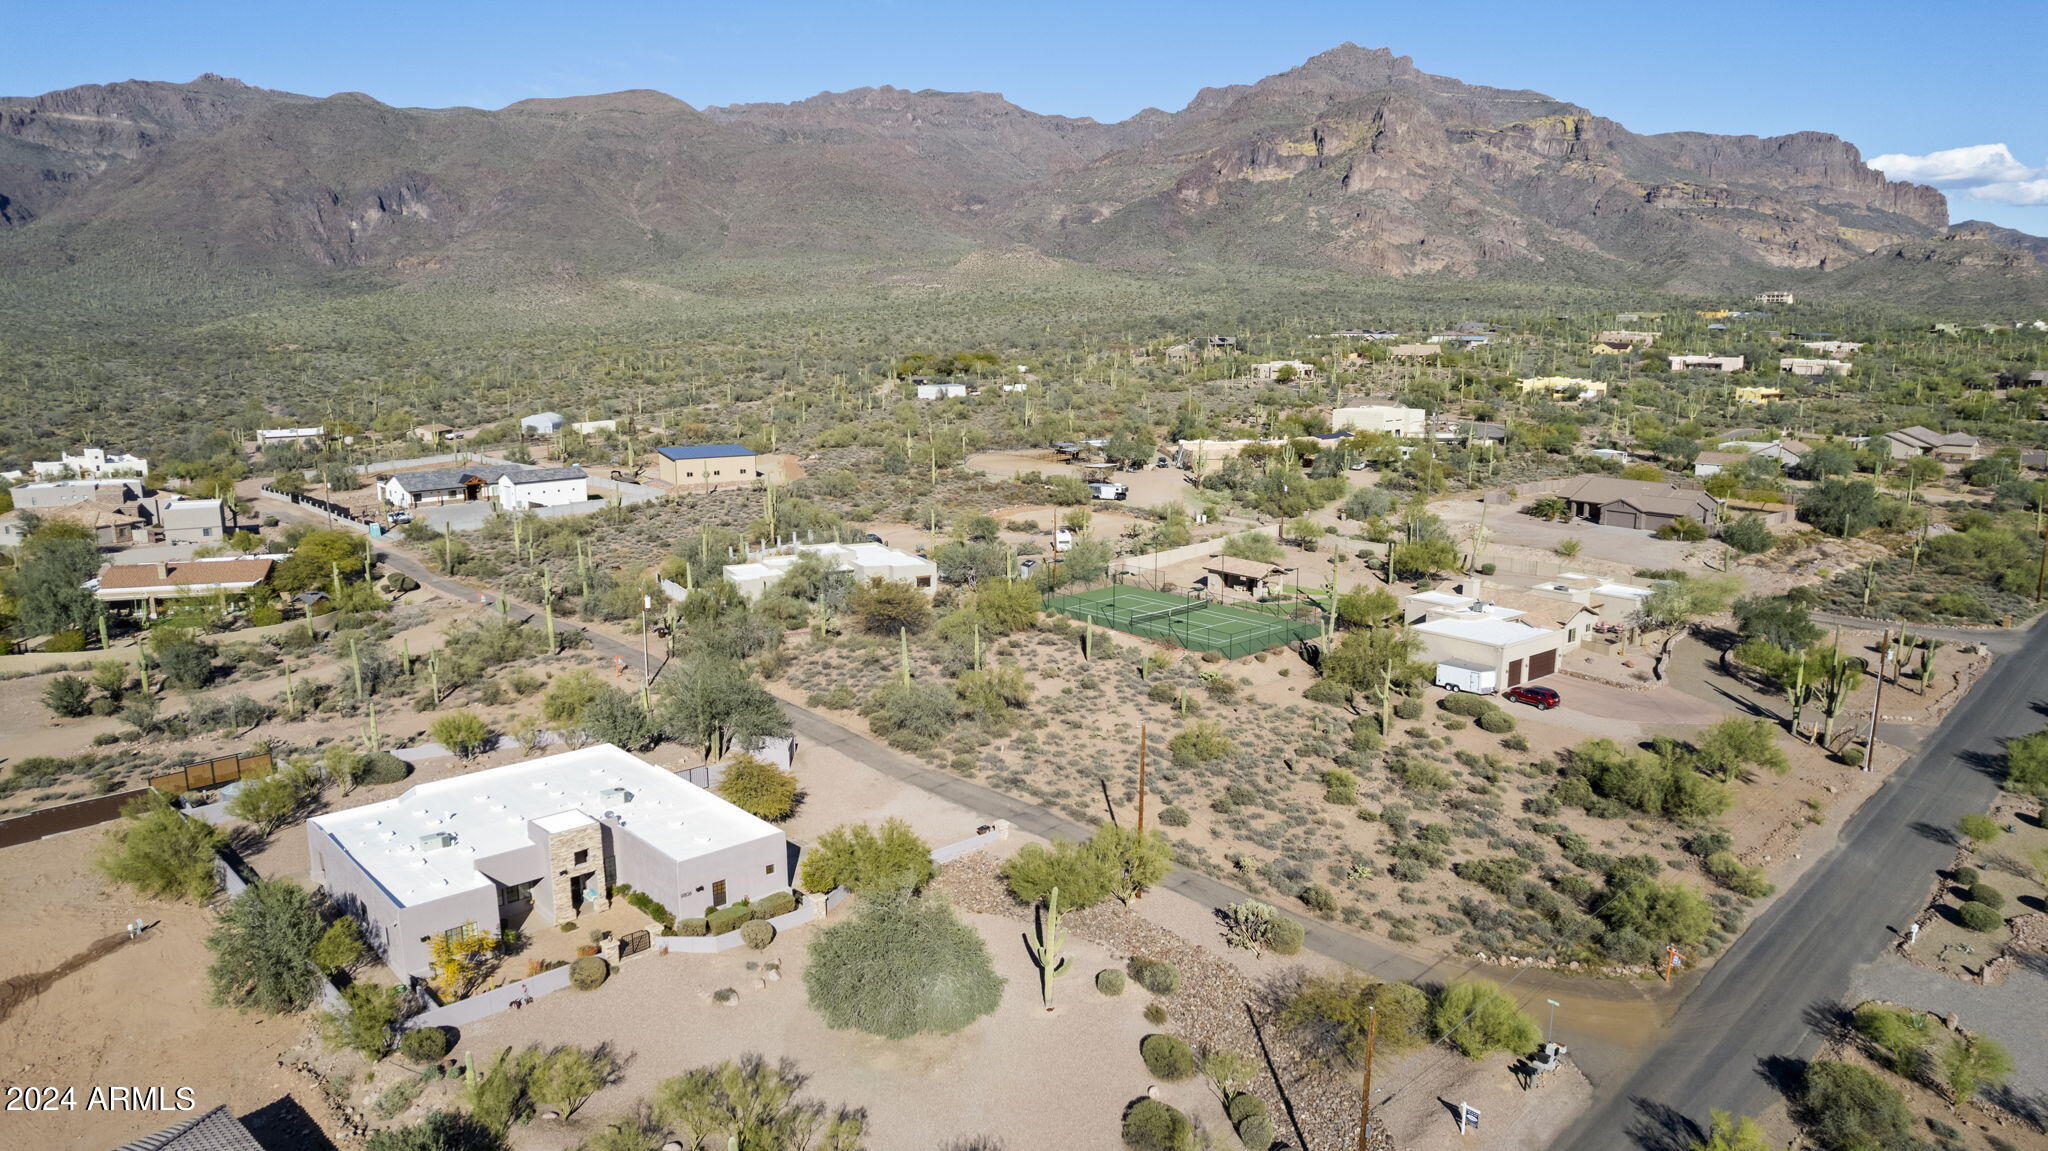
{"x": 1164, "y": 614}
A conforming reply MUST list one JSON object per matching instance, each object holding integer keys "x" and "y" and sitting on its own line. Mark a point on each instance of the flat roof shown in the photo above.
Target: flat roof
{"x": 705, "y": 451}
{"x": 1498, "y": 632}
{"x": 487, "y": 812}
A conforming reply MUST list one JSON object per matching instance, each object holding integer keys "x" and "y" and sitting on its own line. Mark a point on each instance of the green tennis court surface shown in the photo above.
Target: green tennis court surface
{"x": 1230, "y": 630}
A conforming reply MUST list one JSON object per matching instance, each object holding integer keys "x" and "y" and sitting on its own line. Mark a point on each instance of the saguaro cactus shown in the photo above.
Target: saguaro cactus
{"x": 1046, "y": 942}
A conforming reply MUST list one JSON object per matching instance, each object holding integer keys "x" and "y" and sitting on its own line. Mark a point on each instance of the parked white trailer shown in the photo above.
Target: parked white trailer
{"x": 1110, "y": 491}
{"x": 1458, "y": 677}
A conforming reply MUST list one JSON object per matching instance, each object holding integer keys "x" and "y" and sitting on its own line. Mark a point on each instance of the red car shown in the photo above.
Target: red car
{"x": 1537, "y": 697}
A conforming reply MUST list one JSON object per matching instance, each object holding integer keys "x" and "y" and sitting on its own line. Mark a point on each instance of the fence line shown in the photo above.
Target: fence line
{"x": 71, "y": 816}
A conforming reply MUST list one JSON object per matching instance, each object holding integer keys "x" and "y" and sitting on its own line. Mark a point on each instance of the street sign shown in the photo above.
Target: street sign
{"x": 1468, "y": 1118}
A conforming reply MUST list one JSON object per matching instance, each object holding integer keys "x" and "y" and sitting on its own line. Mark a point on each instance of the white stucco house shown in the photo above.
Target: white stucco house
{"x": 88, "y": 464}
{"x": 1386, "y": 418}
{"x": 542, "y": 424}
{"x": 866, "y": 561}
{"x": 537, "y": 844}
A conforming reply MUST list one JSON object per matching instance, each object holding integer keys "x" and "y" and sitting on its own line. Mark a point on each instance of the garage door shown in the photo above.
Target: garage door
{"x": 1542, "y": 663}
{"x": 1514, "y": 672}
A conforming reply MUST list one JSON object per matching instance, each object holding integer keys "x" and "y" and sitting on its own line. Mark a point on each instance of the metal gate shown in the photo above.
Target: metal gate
{"x": 633, "y": 943}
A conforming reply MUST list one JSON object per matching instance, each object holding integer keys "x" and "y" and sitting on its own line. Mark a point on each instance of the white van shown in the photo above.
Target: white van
{"x": 1110, "y": 491}
{"x": 1063, "y": 540}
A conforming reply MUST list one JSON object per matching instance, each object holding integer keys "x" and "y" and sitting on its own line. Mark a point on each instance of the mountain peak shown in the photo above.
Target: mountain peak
{"x": 640, "y": 100}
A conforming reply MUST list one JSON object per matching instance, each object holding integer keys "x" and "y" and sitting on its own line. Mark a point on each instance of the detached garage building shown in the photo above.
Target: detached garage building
{"x": 1515, "y": 635}
{"x": 707, "y": 466}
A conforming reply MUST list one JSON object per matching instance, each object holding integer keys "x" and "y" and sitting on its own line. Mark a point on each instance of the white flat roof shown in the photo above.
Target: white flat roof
{"x": 1498, "y": 632}
{"x": 487, "y": 813}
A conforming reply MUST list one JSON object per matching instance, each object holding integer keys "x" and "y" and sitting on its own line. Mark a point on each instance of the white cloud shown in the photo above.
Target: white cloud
{"x": 1975, "y": 164}
{"x": 2011, "y": 191}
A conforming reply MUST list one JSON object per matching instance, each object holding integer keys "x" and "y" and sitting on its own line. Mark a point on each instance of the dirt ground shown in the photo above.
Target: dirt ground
{"x": 2005, "y": 864}
{"x": 136, "y": 1016}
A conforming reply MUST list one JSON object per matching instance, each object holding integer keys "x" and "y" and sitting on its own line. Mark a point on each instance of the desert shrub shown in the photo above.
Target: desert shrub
{"x": 1965, "y": 876}
{"x": 1242, "y": 1104}
{"x": 1167, "y": 1057}
{"x": 1899, "y": 1037}
{"x": 1981, "y": 829}
{"x": 1970, "y": 1062}
{"x": 159, "y": 852}
{"x": 901, "y": 966}
{"x": 1736, "y": 877}
{"x": 1497, "y": 722}
{"x": 1154, "y": 975}
{"x": 1846, "y": 1108}
{"x": 649, "y": 906}
{"x": 1978, "y": 917}
{"x": 1109, "y": 981}
{"x": 1469, "y": 706}
{"x": 1171, "y": 816}
{"x": 425, "y": 1044}
{"x": 693, "y": 927}
{"x": 1199, "y": 743}
{"x": 67, "y": 696}
{"x": 438, "y": 1131}
{"x": 1984, "y": 893}
{"x": 912, "y": 716}
{"x": 729, "y": 917}
{"x": 1318, "y": 899}
{"x": 366, "y": 1022}
{"x": 393, "y": 1100}
{"x": 1476, "y": 1017}
{"x": 760, "y": 789}
{"x": 1408, "y": 709}
{"x": 260, "y": 946}
{"x": 1329, "y": 1015}
{"x": 1285, "y": 936}
{"x": 1150, "y": 1125}
{"x": 1255, "y": 1132}
{"x": 589, "y": 973}
{"x": 2026, "y": 765}
{"x": 757, "y": 934}
{"x": 868, "y": 862}
{"x": 341, "y": 946}
{"x": 384, "y": 767}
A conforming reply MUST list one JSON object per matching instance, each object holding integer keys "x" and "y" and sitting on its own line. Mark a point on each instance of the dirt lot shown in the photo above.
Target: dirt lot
{"x": 136, "y": 1016}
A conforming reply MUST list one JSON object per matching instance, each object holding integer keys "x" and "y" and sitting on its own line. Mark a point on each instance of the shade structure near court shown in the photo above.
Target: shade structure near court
{"x": 1231, "y": 630}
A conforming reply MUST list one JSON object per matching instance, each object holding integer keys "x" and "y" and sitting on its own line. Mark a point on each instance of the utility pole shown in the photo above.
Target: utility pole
{"x": 1141, "y": 779}
{"x": 646, "y": 658}
{"x": 1884, "y": 656}
{"x": 1372, "y": 1027}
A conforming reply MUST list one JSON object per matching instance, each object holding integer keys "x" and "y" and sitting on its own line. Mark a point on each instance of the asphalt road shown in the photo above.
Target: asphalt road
{"x": 1758, "y": 1005}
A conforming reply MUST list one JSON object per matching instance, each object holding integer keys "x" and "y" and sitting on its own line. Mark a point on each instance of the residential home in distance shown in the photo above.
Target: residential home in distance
{"x": 1615, "y": 343}
{"x": 265, "y": 437}
{"x": 180, "y": 521}
{"x": 1714, "y": 463}
{"x": 1801, "y": 366}
{"x": 432, "y": 433}
{"x": 864, "y": 561}
{"x": 1706, "y": 363}
{"x": 88, "y": 464}
{"x": 1906, "y": 443}
{"x": 1611, "y": 602}
{"x": 1565, "y": 389}
{"x": 927, "y": 388}
{"x": 542, "y": 488}
{"x": 1383, "y": 416}
{"x": 1786, "y": 452}
{"x": 1507, "y": 639}
{"x": 467, "y": 483}
{"x": 1774, "y": 297}
{"x": 1275, "y": 369}
{"x": 1759, "y": 394}
{"x": 1645, "y": 505}
{"x": 534, "y": 845}
{"x": 64, "y": 493}
{"x": 1471, "y": 433}
{"x": 1414, "y": 351}
{"x": 593, "y": 427}
{"x": 706, "y": 467}
{"x": 1832, "y": 347}
{"x": 112, "y": 522}
{"x": 143, "y": 587}
{"x": 542, "y": 424}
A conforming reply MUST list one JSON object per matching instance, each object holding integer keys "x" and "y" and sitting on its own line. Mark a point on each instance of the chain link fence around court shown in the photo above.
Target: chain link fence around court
{"x": 1232, "y": 630}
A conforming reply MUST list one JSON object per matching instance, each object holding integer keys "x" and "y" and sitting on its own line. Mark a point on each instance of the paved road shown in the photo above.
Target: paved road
{"x": 1754, "y": 1005}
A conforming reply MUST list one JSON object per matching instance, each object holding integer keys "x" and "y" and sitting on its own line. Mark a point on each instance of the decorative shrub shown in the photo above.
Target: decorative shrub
{"x": 585, "y": 951}
{"x": 1965, "y": 876}
{"x": 1155, "y": 1014}
{"x": 726, "y": 919}
{"x": 1242, "y": 1105}
{"x": 425, "y": 1044}
{"x": 384, "y": 767}
{"x": 1168, "y": 1057}
{"x": 692, "y": 927}
{"x": 1469, "y": 706}
{"x": 1284, "y": 936}
{"x": 758, "y": 933}
{"x": 1978, "y": 917}
{"x": 1150, "y": 1125}
{"x": 648, "y": 906}
{"x": 1255, "y": 1132}
{"x": 1110, "y": 981}
{"x": 779, "y": 903}
{"x": 589, "y": 973}
{"x": 1154, "y": 975}
{"x": 1989, "y": 896}
{"x": 1497, "y": 721}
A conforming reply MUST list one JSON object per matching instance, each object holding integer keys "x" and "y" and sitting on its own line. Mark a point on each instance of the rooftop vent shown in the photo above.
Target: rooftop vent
{"x": 436, "y": 840}
{"x": 615, "y": 795}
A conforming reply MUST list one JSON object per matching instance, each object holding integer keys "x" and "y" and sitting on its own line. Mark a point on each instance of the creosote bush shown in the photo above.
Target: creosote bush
{"x": 1110, "y": 981}
{"x": 1168, "y": 1057}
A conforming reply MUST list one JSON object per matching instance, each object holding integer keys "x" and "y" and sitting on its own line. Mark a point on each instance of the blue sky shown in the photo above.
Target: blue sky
{"x": 1898, "y": 79}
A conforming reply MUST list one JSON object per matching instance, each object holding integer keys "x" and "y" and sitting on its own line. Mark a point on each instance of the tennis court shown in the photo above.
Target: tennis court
{"x": 1232, "y": 630}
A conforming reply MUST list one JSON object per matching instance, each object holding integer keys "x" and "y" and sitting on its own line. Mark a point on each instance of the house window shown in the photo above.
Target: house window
{"x": 458, "y": 934}
{"x": 768, "y": 870}
{"x": 718, "y": 893}
{"x": 583, "y": 857}
{"x": 518, "y": 892}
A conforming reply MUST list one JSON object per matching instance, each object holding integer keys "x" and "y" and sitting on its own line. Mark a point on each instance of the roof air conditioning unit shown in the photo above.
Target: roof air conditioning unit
{"x": 615, "y": 795}
{"x": 436, "y": 840}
